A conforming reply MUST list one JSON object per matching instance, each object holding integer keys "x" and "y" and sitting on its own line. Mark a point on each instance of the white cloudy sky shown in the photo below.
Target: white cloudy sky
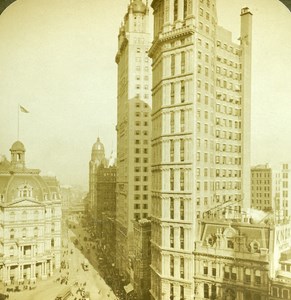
{"x": 57, "y": 60}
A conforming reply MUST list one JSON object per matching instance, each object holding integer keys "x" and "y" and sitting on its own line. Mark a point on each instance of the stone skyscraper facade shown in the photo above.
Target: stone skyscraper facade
{"x": 201, "y": 133}
{"x": 133, "y": 182}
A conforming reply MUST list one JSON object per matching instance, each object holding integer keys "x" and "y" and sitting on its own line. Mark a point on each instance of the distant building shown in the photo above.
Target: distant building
{"x": 30, "y": 221}
{"x": 270, "y": 188}
{"x": 97, "y": 159}
{"x": 101, "y": 199}
{"x": 263, "y": 188}
{"x": 133, "y": 178}
{"x": 105, "y": 189}
{"x": 142, "y": 258}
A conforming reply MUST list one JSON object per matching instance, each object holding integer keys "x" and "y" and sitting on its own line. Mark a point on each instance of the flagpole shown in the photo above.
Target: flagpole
{"x": 18, "y": 123}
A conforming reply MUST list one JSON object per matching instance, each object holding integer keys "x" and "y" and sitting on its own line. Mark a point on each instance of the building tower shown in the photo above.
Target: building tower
{"x": 97, "y": 158}
{"x": 18, "y": 155}
{"x": 201, "y": 107}
{"x": 133, "y": 185}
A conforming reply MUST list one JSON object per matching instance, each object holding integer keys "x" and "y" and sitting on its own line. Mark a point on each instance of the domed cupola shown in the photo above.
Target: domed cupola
{"x": 138, "y": 7}
{"x": 18, "y": 155}
{"x": 98, "y": 151}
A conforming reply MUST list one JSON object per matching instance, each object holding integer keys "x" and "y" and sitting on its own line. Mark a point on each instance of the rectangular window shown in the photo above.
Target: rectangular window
{"x": 182, "y": 150}
{"x": 172, "y": 64}
{"x": 233, "y": 274}
{"x": 226, "y": 272}
{"x": 247, "y": 275}
{"x": 182, "y": 237}
{"x": 182, "y": 294}
{"x": 172, "y": 208}
{"x": 171, "y": 237}
{"x": 172, "y": 93}
{"x": 182, "y": 180}
{"x": 182, "y": 120}
{"x": 183, "y": 60}
{"x": 205, "y": 269}
{"x": 182, "y": 267}
{"x": 172, "y": 290}
{"x": 172, "y": 122}
{"x": 171, "y": 179}
{"x": 182, "y": 91}
{"x": 172, "y": 149}
{"x": 182, "y": 209}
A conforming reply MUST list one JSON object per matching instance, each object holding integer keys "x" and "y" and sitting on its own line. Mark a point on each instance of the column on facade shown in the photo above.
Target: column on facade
{"x": 22, "y": 271}
{"x": 51, "y": 267}
{"x": 33, "y": 267}
{"x": 19, "y": 272}
{"x": 8, "y": 273}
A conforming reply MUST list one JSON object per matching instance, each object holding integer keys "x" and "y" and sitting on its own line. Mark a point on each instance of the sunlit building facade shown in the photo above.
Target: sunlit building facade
{"x": 133, "y": 181}
{"x": 30, "y": 221}
{"x": 244, "y": 260}
{"x": 201, "y": 133}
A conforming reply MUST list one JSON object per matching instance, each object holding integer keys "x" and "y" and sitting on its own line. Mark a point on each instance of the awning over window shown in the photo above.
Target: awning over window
{"x": 128, "y": 288}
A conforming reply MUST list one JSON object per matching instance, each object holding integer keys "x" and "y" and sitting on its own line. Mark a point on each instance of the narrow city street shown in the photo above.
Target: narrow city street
{"x": 78, "y": 279}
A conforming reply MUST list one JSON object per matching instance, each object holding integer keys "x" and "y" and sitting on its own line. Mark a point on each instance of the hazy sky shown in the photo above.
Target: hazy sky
{"x": 57, "y": 60}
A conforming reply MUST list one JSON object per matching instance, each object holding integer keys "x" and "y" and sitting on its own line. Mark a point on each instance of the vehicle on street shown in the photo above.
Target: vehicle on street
{"x": 65, "y": 294}
{"x": 85, "y": 264}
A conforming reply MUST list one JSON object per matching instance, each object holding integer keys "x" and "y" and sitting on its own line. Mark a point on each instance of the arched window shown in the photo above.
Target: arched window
{"x": 24, "y": 232}
{"x": 52, "y": 243}
{"x": 11, "y": 234}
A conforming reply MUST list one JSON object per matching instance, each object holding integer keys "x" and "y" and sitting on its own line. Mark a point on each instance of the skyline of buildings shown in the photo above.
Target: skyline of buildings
{"x": 184, "y": 185}
{"x": 84, "y": 24}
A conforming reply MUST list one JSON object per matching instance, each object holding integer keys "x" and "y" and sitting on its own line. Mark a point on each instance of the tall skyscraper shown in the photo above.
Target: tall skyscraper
{"x": 201, "y": 133}
{"x": 133, "y": 182}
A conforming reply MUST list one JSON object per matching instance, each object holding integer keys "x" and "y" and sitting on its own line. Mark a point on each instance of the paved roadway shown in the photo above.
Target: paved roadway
{"x": 49, "y": 289}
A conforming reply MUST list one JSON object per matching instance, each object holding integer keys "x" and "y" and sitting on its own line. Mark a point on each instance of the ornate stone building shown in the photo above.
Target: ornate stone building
{"x": 201, "y": 132}
{"x": 30, "y": 221}
{"x": 244, "y": 260}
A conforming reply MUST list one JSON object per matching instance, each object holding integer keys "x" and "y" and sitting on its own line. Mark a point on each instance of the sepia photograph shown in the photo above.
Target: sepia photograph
{"x": 145, "y": 150}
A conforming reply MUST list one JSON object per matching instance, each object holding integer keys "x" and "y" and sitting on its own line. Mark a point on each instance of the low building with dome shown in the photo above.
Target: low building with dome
{"x": 30, "y": 221}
